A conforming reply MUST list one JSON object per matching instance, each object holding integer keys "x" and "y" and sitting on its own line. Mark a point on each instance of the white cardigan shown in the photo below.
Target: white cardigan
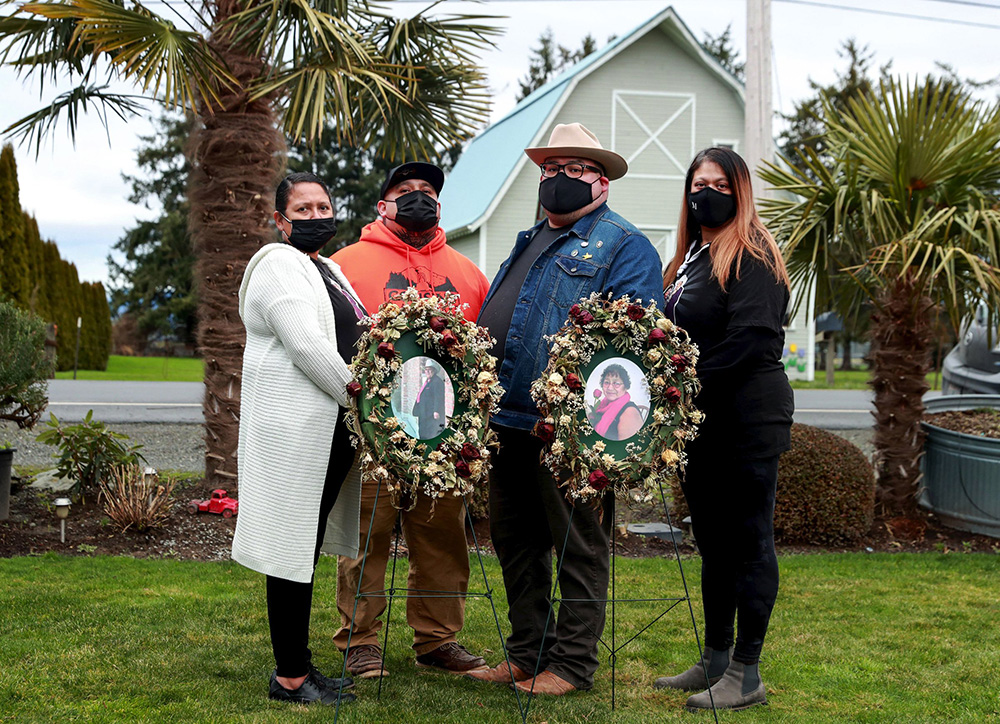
{"x": 293, "y": 384}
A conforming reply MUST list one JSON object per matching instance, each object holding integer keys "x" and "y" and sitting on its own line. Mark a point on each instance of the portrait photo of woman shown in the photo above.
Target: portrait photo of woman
{"x": 620, "y": 399}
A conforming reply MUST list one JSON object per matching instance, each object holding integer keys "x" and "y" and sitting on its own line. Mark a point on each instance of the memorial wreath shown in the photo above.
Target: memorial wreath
{"x": 580, "y": 460}
{"x": 436, "y": 327}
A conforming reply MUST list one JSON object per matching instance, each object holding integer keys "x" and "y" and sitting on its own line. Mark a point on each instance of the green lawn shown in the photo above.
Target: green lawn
{"x": 851, "y": 380}
{"x": 147, "y": 369}
{"x": 854, "y": 638}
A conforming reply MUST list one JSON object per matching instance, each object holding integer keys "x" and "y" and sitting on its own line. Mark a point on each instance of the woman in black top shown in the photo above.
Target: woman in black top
{"x": 616, "y": 417}
{"x": 728, "y": 287}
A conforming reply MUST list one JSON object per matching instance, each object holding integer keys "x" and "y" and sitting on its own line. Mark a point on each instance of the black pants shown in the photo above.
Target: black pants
{"x": 289, "y": 602}
{"x": 529, "y": 517}
{"x": 732, "y": 516}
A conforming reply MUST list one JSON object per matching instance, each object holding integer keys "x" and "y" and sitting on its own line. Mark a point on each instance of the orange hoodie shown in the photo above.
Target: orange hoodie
{"x": 381, "y": 265}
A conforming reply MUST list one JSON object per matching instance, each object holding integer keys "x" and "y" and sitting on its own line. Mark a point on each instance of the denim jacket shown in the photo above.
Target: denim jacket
{"x": 619, "y": 259}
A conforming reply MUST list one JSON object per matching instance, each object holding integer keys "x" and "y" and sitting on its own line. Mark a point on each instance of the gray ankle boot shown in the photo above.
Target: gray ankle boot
{"x": 694, "y": 678}
{"x": 740, "y": 687}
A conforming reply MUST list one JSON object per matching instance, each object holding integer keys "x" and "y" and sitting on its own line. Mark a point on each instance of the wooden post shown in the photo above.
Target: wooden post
{"x": 758, "y": 139}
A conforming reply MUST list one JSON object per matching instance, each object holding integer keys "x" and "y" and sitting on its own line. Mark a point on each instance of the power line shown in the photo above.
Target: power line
{"x": 899, "y": 15}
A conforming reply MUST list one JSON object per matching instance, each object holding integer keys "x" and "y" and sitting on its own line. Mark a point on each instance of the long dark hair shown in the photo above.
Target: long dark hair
{"x": 745, "y": 232}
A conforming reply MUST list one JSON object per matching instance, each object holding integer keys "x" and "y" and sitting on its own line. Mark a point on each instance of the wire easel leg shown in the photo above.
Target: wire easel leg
{"x": 687, "y": 595}
{"x": 522, "y": 710}
{"x": 551, "y": 614}
{"x": 357, "y": 596}
{"x": 391, "y": 594}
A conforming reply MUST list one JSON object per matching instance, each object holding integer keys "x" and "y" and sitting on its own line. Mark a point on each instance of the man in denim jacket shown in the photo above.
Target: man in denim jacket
{"x": 582, "y": 246}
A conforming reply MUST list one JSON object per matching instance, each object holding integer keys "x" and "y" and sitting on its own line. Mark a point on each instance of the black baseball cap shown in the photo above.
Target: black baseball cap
{"x": 414, "y": 169}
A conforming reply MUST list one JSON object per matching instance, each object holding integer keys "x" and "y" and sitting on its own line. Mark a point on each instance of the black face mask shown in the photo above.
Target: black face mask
{"x": 711, "y": 208}
{"x": 309, "y": 235}
{"x": 416, "y": 211}
{"x": 563, "y": 195}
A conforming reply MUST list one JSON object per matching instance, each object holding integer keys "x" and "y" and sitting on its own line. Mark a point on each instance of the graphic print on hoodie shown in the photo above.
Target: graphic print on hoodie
{"x": 380, "y": 266}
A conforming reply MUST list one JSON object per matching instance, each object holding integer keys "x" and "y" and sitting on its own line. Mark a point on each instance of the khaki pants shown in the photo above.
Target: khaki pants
{"x": 438, "y": 578}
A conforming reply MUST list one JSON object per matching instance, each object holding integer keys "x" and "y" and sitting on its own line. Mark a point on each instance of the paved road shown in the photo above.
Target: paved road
{"x": 180, "y": 402}
{"x": 837, "y": 409}
{"x": 126, "y": 401}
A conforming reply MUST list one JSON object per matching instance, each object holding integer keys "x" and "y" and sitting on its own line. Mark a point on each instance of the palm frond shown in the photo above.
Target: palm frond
{"x": 34, "y": 127}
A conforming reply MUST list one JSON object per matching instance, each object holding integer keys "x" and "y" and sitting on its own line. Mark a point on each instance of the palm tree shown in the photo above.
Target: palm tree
{"x": 909, "y": 188}
{"x": 248, "y": 70}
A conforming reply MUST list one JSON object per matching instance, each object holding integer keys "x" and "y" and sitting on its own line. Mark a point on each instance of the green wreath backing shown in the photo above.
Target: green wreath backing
{"x": 580, "y": 460}
{"x": 457, "y": 460}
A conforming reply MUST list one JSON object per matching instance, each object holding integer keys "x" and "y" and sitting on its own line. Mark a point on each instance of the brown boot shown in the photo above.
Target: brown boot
{"x": 545, "y": 683}
{"x": 452, "y": 658}
{"x": 500, "y": 674}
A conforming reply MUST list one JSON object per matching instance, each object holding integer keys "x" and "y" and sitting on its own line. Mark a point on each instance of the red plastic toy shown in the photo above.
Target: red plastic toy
{"x": 220, "y": 503}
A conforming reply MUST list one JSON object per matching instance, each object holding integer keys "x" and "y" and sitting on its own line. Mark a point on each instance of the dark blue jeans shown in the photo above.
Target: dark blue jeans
{"x": 732, "y": 516}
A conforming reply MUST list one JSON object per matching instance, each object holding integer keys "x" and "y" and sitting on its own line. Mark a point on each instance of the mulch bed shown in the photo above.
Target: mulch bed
{"x": 33, "y": 529}
{"x": 983, "y": 422}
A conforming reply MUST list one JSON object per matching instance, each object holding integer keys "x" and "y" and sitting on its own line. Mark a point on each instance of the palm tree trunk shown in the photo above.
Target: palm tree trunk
{"x": 236, "y": 157}
{"x": 901, "y": 335}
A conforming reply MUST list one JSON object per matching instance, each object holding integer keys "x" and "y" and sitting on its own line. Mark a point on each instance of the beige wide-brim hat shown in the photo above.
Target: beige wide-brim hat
{"x": 573, "y": 139}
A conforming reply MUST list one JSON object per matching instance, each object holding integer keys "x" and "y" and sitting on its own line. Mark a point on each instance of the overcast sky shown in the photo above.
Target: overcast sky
{"x": 80, "y": 200}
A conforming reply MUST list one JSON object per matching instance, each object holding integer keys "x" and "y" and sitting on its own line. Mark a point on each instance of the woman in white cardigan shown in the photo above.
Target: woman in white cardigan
{"x": 301, "y": 317}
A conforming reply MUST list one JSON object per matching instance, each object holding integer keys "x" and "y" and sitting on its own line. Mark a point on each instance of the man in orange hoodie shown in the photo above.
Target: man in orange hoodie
{"x": 405, "y": 248}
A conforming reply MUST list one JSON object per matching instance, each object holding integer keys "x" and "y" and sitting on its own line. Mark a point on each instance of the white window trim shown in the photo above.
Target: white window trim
{"x": 733, "y": 143}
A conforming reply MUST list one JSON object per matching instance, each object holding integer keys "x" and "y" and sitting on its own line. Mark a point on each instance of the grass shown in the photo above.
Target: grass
{"x": 851, "y": 380}
{"x": 146, "y": 369}
{"x": 190, "y": 369}
{"x": 859, "y": 638}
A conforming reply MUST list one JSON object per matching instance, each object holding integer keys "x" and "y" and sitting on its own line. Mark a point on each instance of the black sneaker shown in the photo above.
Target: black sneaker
{"x": 309, "y": 692}
{"x": 331, "y": 683}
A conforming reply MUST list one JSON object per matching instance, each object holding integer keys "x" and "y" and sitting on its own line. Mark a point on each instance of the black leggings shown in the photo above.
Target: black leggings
{"x": 290, "y": 602}
{"x": 732, "y": 516}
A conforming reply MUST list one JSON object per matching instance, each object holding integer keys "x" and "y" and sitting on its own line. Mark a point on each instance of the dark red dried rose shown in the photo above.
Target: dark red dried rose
{"x": 584, "y": 317}
{"x": 462, "y": 469}
{"x": 448, "y": 338}
{"x": 438, "y": 324}
{"x": 656, "y": 336}
{"x": 575, "y": 310}
{"x": 354, "y": 388}
{"x": 573, "y": 381}
{"x": 469, "y": 452}
{"x": 672, "y": 394}
{"x": 545, "y": 431}
{"x": 386, "y": 350}
{"x": 598, "y": 480}
{"x": 679, "y": 361}
{"x": 635, "y": 312}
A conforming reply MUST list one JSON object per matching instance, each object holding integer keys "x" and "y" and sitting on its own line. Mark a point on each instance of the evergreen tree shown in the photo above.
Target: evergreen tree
{"x": 549, "y": 59}
{"x": 37, "y": 300}
{"x": 14, "y": 269}
{"x": 721, "y": 48}
{"x": 154, "y": 283}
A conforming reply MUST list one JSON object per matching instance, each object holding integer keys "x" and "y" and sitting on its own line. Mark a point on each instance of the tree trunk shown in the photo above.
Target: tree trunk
{"x": 901, "y": 337}
{"x": 847, "y": 364}
{"x": 236, "y": 156}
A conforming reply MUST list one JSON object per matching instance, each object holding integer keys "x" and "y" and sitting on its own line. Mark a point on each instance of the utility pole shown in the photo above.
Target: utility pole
{"x": 757, "y": 124}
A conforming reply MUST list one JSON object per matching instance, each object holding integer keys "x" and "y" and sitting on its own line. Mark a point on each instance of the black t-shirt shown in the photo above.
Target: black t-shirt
{"x": 745, "y": 396}
{"x": 345, "y": 316}
{"x": 496, "y": 315}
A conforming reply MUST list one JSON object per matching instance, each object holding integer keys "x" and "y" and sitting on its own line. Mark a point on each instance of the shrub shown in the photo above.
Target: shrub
{"x": 134, "y": 498}
{"x": 88, "y": 451}
{"x": 24, "y": 366}
{"x": 826, "y": 490}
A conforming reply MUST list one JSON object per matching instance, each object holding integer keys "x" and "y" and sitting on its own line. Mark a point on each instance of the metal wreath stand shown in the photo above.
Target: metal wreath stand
{"x": 614, "y": 646}
{"x": 391, "y": 593}
{"x": 634, "y": 336}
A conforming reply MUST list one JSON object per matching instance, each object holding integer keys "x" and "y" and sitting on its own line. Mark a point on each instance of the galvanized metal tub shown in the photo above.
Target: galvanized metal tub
{"x": 961, "y": 482}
